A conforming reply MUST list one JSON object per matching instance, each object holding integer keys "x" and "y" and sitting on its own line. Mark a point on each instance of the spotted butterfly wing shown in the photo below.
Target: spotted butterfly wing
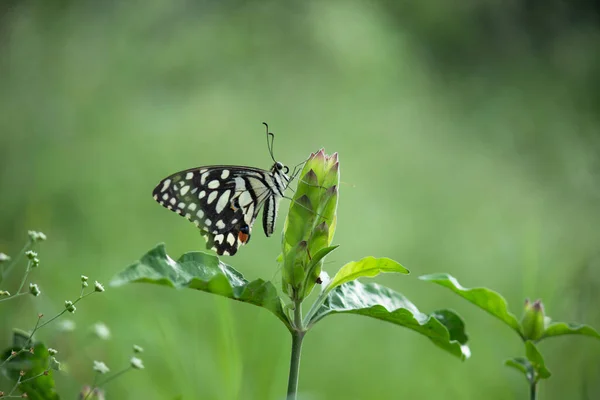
{"x": 224, "y": 201}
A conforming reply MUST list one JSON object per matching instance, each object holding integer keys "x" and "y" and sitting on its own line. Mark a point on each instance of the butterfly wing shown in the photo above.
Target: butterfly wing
{"x": 223, "y": 201}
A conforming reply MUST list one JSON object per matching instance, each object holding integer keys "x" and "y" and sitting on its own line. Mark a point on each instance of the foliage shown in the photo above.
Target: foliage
{"x": 308, "y": 231}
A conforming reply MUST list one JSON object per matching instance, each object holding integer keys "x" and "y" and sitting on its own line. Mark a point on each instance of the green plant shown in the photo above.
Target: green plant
{"x": 27, "y": 363}
{"x": 306, "y": 241}
{"x": 534, "y": 326}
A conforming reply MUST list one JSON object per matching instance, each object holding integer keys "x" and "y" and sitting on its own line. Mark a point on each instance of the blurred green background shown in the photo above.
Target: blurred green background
{"x": 468, "y": 140}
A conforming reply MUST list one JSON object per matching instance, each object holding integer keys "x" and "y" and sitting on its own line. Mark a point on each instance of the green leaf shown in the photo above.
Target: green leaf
{"x": 313, "y": 270}
{"x": 536, "y": 360}
{"x": 563, "y": 328}
{"x": 320, "y": 255}
{"x": 523, "y": 365}
{"x": 484, "y": 298}
{"x": 376, "y": 301}
{"x": 368, "y": 266}
{"x": 205, "y": 272}
{"x": 39, "y": 388}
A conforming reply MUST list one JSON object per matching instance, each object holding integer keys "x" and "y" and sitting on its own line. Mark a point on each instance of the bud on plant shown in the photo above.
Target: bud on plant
{"x": 137, "y": 349}
{"x": 532, "y": 321}
{"x": 52, "y": 351}
{"x": 84, "y": 278}
{"x": 54, "y": 364}
{"x": 4, "y": 258}
{"x": 34, "y": 289}
{"x": 70, "y": 306}
{"x": 310, "y": 224}
{"x": 35, "y": 262}
{"x": 98, "y": 287}
{"x": 89, "y": 393}
{"x": 4, "y": 293}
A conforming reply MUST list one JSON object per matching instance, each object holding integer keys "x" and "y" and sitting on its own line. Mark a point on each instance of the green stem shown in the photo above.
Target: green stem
{"x": 65, "y": 310}
{"x": 27, "y": 270}
{"x": 14, "y": 296}
{"x": 315, "y": 306}
{"x": 297, "y": 337}
{"x": 93, "y": 387}
{"x": 533, "y": 391}
{"x": 295, "y": 365}
{"x": 15, "y": 260}
{"x": 114, "y": 376}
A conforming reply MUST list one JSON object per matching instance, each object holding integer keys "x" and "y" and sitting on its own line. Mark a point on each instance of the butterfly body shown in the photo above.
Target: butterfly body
{"x": 224, "y": 201}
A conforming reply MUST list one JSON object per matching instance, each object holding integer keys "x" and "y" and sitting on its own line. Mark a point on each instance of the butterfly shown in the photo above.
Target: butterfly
{"x": 224, "y": 200}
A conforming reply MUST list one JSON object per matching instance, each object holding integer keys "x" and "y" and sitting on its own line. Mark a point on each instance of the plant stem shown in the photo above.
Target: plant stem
{"x": 15, "y": 260}
{"x": 297, "y": 337}
{"x": 533, "y": 391}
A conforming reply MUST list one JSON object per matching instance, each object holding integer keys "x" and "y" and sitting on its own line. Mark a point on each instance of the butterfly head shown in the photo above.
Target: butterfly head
{"x": 282, "y": 171}
{"x": 279, "y": 168}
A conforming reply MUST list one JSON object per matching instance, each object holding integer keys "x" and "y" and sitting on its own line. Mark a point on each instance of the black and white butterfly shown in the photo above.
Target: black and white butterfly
{"x": 224, "y": 200}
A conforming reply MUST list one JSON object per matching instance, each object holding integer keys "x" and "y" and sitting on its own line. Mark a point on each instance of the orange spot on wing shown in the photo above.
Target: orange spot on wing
{"x": 243, "y": 237}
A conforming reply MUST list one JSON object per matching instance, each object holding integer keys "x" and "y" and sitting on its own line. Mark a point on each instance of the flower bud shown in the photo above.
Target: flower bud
{"x": 4, "y": 258}
{"x": 34, "y": 289}
{"x": 98, "y": 287}
{"x": 310, "y": 224}
{"x": 70, "y": 306}
{"x": 532, "y": 322}
{"x": 54, "y": 364}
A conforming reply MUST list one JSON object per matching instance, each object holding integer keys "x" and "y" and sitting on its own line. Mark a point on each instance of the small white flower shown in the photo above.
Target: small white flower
{"x": 66, "y": 325}
{"x": 52, "y": 351}
{"x": 137, "y": 349}
{"x": 101, "y": 330}
{"x": 100, "y": 367}
{"x": 4, "y": 257}
{"x": 84, "y": 278}
{"x": 137, "y": 363}
{"x": 36, "y": 236}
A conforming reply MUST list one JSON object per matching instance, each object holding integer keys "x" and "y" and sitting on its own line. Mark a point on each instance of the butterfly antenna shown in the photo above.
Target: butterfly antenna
{"x": 270, "y": 143}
